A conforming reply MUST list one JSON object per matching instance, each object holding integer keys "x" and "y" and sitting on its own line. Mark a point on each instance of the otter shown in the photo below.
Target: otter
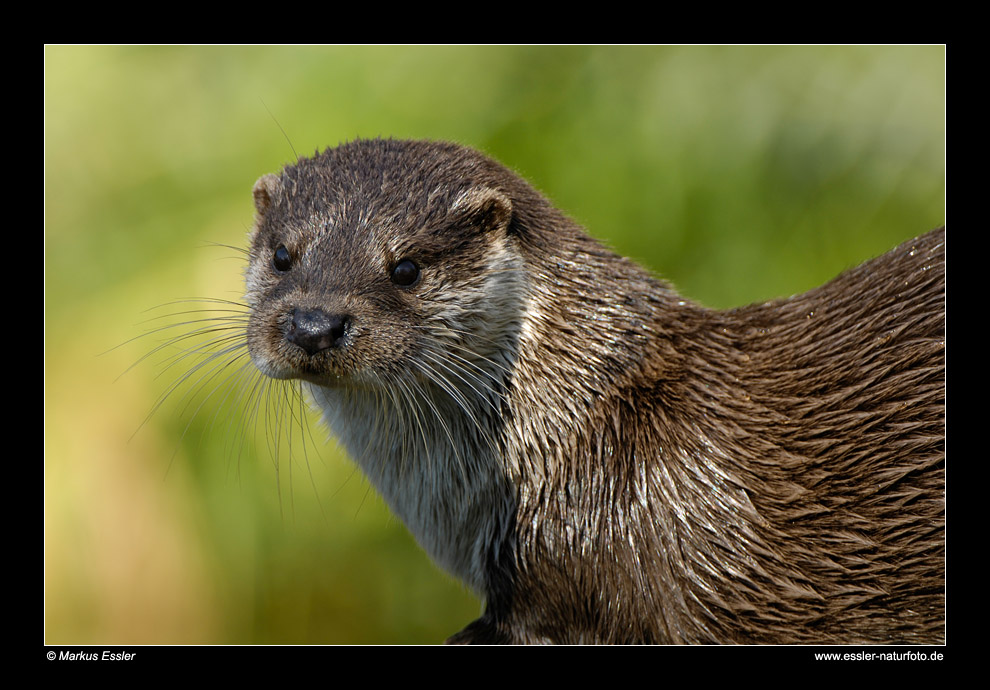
{"x": 601, "y": 459}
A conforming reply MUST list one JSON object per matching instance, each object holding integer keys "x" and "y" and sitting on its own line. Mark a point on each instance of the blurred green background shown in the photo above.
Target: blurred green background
{"x": 738, "y": 173}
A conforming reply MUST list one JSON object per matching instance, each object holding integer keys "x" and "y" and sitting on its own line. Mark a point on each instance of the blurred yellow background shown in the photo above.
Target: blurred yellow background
{"x": 738, "y": 173}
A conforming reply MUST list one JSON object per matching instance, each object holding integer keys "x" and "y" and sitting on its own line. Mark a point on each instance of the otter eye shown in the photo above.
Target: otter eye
{"x": 282, "y": 260}
{"x": 405, "y": 273}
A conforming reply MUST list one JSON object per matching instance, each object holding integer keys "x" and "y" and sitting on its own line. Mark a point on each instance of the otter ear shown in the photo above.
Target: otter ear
{"x": 484, "y": 206}
{"x": 265, "y": 188}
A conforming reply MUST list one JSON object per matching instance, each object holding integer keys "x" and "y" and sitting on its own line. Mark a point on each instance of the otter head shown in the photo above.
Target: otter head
{"x": 381, "y": 262}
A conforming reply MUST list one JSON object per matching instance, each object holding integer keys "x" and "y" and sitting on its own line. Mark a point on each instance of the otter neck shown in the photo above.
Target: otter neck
{"x": 434, "y": 457}
{"x": 592, "y": 366}
{"x": 596, "y": 325}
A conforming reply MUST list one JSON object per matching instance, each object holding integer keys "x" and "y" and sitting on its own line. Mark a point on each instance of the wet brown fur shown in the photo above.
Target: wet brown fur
{"x": 664, "y": 473}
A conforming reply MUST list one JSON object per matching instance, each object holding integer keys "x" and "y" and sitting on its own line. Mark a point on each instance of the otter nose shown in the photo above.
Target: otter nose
{"x": 314, "y": 330}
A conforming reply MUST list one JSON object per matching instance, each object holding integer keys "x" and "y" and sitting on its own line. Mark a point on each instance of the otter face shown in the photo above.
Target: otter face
{"x": 369, "y": 264}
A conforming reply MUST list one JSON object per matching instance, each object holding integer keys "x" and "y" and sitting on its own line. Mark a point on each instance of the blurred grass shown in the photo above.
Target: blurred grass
{"x": 739, "y": 173}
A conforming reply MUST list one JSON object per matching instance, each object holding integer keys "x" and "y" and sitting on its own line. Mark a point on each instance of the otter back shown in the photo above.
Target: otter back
{"x": 601, "y": 459}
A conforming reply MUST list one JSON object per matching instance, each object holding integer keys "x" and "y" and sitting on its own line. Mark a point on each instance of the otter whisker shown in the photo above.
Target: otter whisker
{"x": 465, "y": 403}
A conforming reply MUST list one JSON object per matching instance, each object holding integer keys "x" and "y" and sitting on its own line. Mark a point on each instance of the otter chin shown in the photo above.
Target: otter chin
{"x": 599, "y": 458}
